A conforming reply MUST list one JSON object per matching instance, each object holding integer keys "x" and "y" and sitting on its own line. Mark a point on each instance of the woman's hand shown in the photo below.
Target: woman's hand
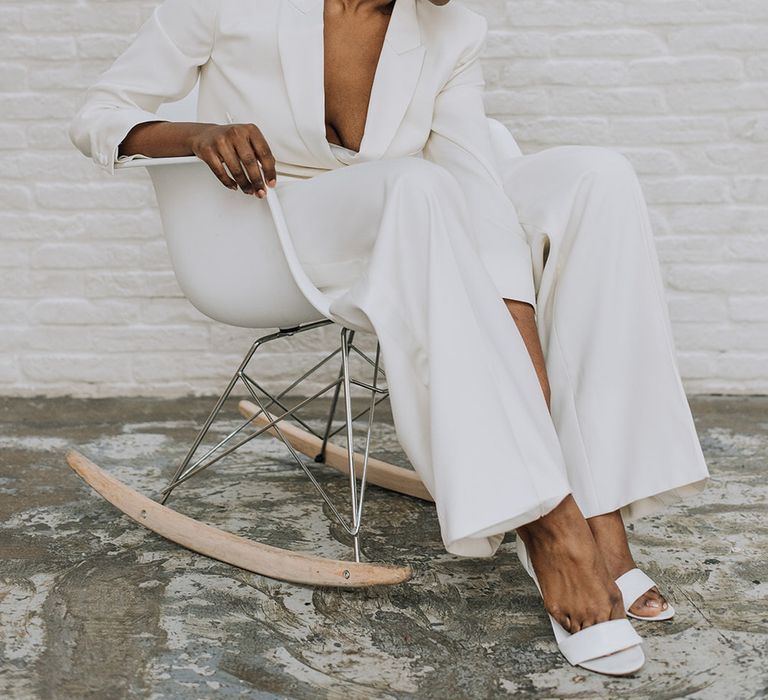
{"x": 242, "y": 148}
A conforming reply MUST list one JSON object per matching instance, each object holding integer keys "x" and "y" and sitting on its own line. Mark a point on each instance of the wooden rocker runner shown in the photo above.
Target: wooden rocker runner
{"x": 229, "y": 548}
{"x": 251, "y": 278}
{"x": 254, "y": 556}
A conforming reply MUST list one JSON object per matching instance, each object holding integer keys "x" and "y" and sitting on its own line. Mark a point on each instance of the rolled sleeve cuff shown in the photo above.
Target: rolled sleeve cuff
{"x": 124, "y": 121}
{"x": 105, "y": 142}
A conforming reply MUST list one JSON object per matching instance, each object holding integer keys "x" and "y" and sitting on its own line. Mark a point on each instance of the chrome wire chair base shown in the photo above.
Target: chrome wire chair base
{"x": 270, "y": 412}
{"x": 266, "y": 400}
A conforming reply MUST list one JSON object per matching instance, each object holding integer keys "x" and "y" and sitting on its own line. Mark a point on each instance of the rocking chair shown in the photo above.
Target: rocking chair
{"x": 234, "y": 260}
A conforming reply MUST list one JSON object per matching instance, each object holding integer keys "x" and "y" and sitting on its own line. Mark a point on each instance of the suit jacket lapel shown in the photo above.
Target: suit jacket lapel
{"x": 395, "y": 81}
{"x": 300, "y": 43}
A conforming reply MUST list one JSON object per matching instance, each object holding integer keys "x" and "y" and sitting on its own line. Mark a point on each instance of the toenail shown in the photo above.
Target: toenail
{"x": 665, "y": 605}
{"x": 652, "y": 603}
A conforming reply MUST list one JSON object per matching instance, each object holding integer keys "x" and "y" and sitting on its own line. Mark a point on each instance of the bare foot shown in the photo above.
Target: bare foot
{"x": 611, "y": 537}
{"x": 576, "y": 585}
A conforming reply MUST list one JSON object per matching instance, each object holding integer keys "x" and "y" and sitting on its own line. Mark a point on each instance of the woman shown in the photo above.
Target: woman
{"x": 379, "y": 105}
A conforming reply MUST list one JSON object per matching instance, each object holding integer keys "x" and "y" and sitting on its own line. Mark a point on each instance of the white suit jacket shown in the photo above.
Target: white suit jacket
{"x": 261, "y": 61}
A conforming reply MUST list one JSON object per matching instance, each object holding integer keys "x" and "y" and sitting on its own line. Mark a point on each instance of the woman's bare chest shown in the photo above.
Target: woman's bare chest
{"x": 352, "y": 50}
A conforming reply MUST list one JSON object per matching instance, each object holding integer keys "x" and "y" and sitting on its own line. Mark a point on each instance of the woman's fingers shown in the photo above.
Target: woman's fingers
{"x": 232, "y": 161}
{"x": 245, "y": 153}
{"x": 250, "y": 160}
{"x": 213, "y": 160}
{"x": 264, "y": 153}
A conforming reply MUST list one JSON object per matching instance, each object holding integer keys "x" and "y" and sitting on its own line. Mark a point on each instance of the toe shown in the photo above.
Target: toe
{"x": 567, "y": 624}
{"x": 650, "y": 604}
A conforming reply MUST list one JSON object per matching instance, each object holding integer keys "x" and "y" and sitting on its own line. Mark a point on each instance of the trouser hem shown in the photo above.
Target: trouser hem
{"x": 484, "y": 541}
{"x": 649, "y": 503}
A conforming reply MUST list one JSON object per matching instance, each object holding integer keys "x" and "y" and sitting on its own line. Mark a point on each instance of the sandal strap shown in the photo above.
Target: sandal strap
{"x": 599, "y": 640}
{"x": 632, "y": 585}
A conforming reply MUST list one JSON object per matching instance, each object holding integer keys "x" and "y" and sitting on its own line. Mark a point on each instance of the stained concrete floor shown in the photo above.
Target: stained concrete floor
{"x": 94, "y": 606}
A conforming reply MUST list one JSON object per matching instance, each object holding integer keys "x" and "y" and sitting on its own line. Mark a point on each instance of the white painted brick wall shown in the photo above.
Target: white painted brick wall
{"x": 88, "y": 303}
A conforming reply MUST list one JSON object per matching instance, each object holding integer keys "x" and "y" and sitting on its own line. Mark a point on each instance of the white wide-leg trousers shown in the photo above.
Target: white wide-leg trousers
{"x": 393, "y": 242}
{"x": 618, "y": 403}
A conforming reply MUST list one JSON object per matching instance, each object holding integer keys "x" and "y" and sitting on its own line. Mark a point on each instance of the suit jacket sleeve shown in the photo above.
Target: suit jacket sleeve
{"x": 161, "y": 65}
{"x": 460, "y": 141}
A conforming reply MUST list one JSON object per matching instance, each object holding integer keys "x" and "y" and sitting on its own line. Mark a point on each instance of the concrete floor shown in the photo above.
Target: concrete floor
{"x": 94, "y": 606}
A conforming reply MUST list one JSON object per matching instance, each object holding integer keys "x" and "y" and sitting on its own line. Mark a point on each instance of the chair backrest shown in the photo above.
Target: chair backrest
{"x": 504, "y": 144}
{"x": 225, "y": 249}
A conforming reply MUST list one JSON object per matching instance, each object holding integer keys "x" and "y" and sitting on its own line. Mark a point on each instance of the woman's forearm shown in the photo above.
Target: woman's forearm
{"x": 161, "y": 139}
{"x": 240, "y": 147}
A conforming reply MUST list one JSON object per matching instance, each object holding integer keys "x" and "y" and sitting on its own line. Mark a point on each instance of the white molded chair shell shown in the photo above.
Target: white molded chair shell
{"x": 231, "y": 254}
{"x": 225, "y": 248}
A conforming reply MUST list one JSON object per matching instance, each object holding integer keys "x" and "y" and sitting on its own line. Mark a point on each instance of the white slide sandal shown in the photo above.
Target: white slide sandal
{"x": 612, "y": 647}
{"x": 632, "y": 585}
